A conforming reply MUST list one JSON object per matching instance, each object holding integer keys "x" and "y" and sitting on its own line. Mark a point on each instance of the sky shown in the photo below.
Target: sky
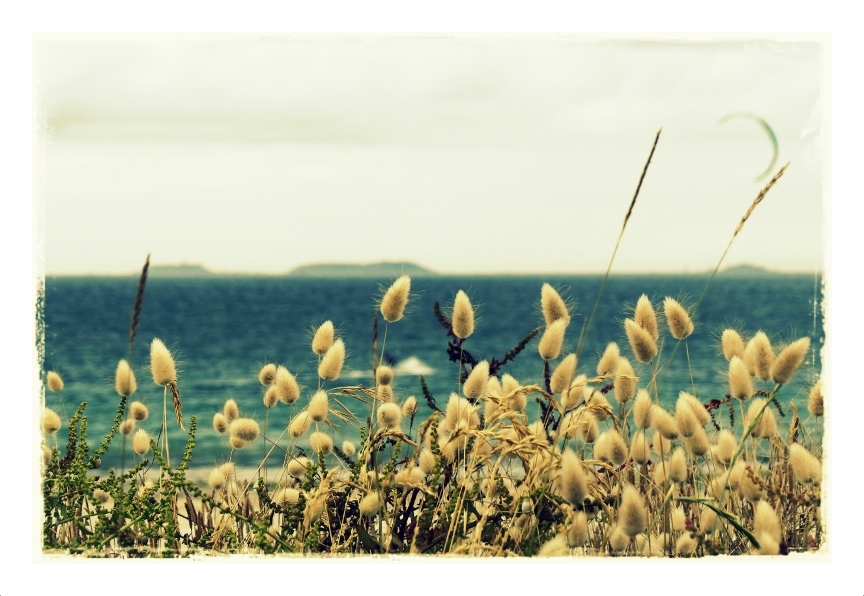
{"x": 462, "y": 153}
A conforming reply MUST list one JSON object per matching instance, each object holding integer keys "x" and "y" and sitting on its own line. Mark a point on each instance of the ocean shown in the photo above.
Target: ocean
{"x": 222, "y": 329}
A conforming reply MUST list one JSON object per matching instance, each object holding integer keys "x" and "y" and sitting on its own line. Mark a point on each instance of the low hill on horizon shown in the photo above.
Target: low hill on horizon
{"x": 383, "y": 269}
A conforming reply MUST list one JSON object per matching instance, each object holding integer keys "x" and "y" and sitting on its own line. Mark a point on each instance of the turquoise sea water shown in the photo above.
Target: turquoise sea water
{"x": 223, "y": 329}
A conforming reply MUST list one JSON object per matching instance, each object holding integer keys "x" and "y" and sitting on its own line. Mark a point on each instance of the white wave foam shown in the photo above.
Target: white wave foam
{"x": 413, "y": 366}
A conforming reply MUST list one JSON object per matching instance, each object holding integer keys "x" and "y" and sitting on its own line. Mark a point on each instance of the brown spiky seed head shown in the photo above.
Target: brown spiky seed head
{"x": 643, "y": 345}
{"x": 758, "y": 356}
{"x": 678, "y": 319}
{"x": 740, "y": 379}
{"x": 140, "y": 442}
{"x": 271, "y": 396}
{"x": 475, "y": 384}
{"x": 463, "y": 316}
{"x": 318, "y": 407}
{"x": 644, "y": 317}
{"x": 220, "y": 423}
{"x": 124, "y": 379}
{"x": 162, "y": 363}
{"x": 230, "y": 410}
{"x": 552, "y": 305}
{"x": 244, "y": 428}
{"x": 321, "y": 443}
{"x": 625, "y": 381}
{"x": 127, "y": 426}
{"x": 608, "y": 363}
{"x": 632, "y": 514}
{"x": 732, "y": 344}
{"x": 395, "y": 299}
{"x": 331, "y": 364}
{"x": 552, "y": 340}
{"x": 138, "y": 411}
{"x": 323, "y": 338}
{"x": 267, "y": 374}
{"x": 816, "y": 400}
{"x": 389, "y": 415}
{"x": 789, "y": 360}
{"x": 642, "y": 409}
{"x": 383, "y": 375}
{"x": 50, "y": 421}
{"x": 286, "y": 385}
{"x": 562, "y": 376}
{"x": 54, "y": 381}
{"x": 573, "y": 482}
{"x": 300, "y": 424}
{"x": 348, "y": 448}
{"x": 806, "y": 468}
{"x": 409, "y": 406}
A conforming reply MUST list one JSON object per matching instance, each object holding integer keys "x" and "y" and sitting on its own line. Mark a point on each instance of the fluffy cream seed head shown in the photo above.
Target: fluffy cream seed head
{"x": 765, "y": 521}
{"x": 271, "y": 396}
{"x": 50, "y": 421}
{"x": 608, "y": 363}
{"x": 141, "y": 442}
{"x": 384, "y": 393}
{"x": 389, "y": 415}
{"x": 127, "y": 426}
{"x": 562, "y": 376}
{"x": 643, "y": 345}
{"x": 220, "y": 423}
{"x": 286, "y": 385}
{"x": 573, "y": 482}
{"x": 642, "y": 410}
{"x": 370, "y": 505}
{"x": 625, "y": 381}
{"x": 573, "y": 395}
{"x": 644, "y": 317}
{"x": 162, "y": 364}
{"x": 330, "y": 366}
{"x": 698, "y": 443}
{"x": 124, "y": 379}
{"x": 138, "y": 411}
{"x": 740, "y": 380}
{"x": 806, "y": 468}
{"x": 475, "y": 384}
{"x": 321, "y": 443}
{"x": 245, "y": 429}
{"x": 383, "y": 375}
{"x": 611, "y": 447}
{"x": 632, "y": 514}
{"x": 677, "y": 466}
{"x": 789, "y": 360}
{"x": 678, "y": 319}
{"x": 54, "y": 381}
{"x": 732, "y": 344}
{"x": 663, "y": 422}
{"x": 552, "y": 340}
{"x": 758, "y": 356}
{"x": 766, "y": 426}
{"x": 640, "y": 451}
{"x": 816, "y": 400}
{"x": 463, "y": 316}
{"x": 348, "y": 448}
{"x": 409, "y": 407}
{"x": 297, "y": 467}
{"x": 300, "y": 424}
{"x": 724, "y": 447}
{"x": 237, "y": 442}
{"x": 267, "y": 374}
{"x": 230, "y": 410}
{"x": 216, "y": 479}
{"x": 396, "y": 299}
{"x": 702, "y": 415}
{"x": 685, "y": 418}
{"x": 318, "y": 407}
{"x": 553, "y": 306}
{"x": 426, "y": 461}
{"x": 323, "y": 338}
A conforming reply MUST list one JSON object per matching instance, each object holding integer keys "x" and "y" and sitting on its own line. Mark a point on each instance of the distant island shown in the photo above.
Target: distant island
{"x": 380, "y": 270}
{"x": 745, "y": 270}
{"x": 183, "y": 270}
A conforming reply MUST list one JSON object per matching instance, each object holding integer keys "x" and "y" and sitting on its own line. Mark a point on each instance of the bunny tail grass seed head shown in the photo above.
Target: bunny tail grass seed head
{"x": 686, "y": 545}
{"x": 642, "y": 409}
{"x": 475, "y": 384}
{"x": 271, "y": 396}
{"x": 552, "y": 340}
{"x": 286, "y": 385}
{"x": 573, "y": 482}
{"x": 698, "y": 443}
{"x": 124, "y": 379}
{"x": 216, "y": 479}
{"x": 645, "y": 318}
{"x": 244, "y": 428}
{"x": 426, "y": 461}
{"x": 54, "y": 381}
{"x": 331, "y": 364}
{"x": 138, "y": 411}
{"x": 664, "y": 422}
{"x": 732, "y": 344}
{"x": 553, "y": 306}
{"x": 463, "y": 316}
{"x": 806, "y": 468}
{"x": 384, "y": 393}
{"x": 685, "y": 418}
{"x": 640, "y": 451}
{"x": 220, "y": 423}
{"x": 677, "y": 467}
{"x": 618, "y": 540}
{"x": 572, "y": 396}
{"x": 267, "y": 374}
{"x": 383, "y": 375}
{"x": 409, "y": 406}
{"x": 370, "y": 505}
{"x": 611, "y": 447}
{"x": 237, "y": 442}
{"x": 321, "y": 443}
{"x": 643, "y": 345}
{"x": 50, "y": 421}
{"x": 765, "y": 521}
{"x": 740, "y": 380}
{"x": 816, "y": 400}
{"x": 230, "y": 410}
{"x": 389, "y": 415}
{"x": 678, "y": 319}
{"x": 562, "y": 376}
{"x": 395, "y": 299}
{"x": 162, "y": 363}
{"x": 625, "y": 381}
{"x": 789, "y": 360}
{"x": 759, "y": 356}
{"x": 318, "y": 407}
{"x": 300, "y": 424}
{"x": 297, "y": 467}
{"x": 348, "y": 448}
{"x": 323, "y": 338}
{"x": 127, "y": 426}
{"x": 702, "y": 414}
{"x": 140, "y": 442}
{"x": 767, "y": 425}
{"x": 632, "y": 514}
{"x": 608, "y": 363}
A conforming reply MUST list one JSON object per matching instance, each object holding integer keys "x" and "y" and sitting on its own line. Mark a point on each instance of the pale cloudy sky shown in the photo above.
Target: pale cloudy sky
{"x": 465, "y": 154}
